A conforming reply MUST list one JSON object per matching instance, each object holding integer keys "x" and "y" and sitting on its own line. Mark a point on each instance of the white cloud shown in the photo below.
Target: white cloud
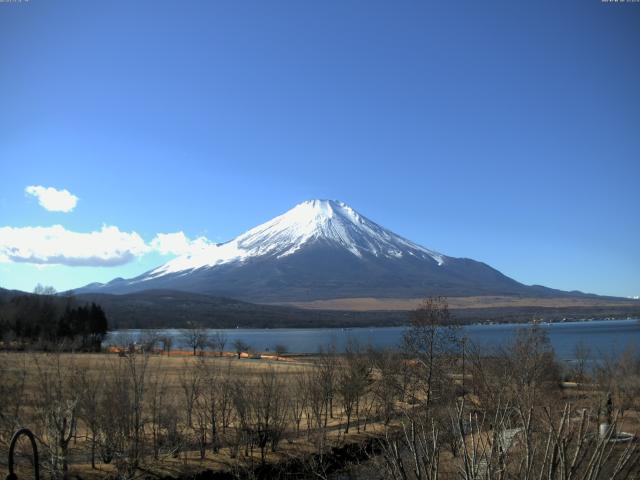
{"x": 55, "y": 245}
{"x": 171, "y": 243}
{"x": 178, "y": 244}
{"x": 52, "y": 199}
{"x": 108, "y": 246}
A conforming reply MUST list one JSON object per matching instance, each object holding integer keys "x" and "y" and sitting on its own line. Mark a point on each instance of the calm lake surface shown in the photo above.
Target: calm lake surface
{"x": 603, "y": 337}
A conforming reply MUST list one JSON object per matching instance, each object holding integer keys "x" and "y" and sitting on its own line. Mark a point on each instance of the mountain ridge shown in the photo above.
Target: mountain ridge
{"x": 322, "y": 249}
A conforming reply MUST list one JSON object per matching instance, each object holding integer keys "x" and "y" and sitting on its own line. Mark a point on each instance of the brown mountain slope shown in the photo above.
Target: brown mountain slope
{"x": 476, "y": 302}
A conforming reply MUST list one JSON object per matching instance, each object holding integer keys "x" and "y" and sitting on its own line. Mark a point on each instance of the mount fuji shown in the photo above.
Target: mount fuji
{"x": 321, "y": 249}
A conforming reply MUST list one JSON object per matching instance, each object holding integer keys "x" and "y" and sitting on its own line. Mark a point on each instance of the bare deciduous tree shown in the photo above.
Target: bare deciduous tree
{"x": 90, "y": 387}
{"x": 156, "y": 402}
{"x": 298, "y": 398}
{"x": 149, "y": 341}
{"x": 387, "y": 387}
{"x": 353, "y": 379}
{"x": 431, "y": 341}
{"x": 195, "y": 337}
{"x": 270, "y": 411}
{"x": 582, "y": 355}
{"x": 123, "y": 418}
{"x": 218, "y": 341}
{"x": 166, "y": 342}
{"x": 279, "y": 349}
{"x": 190, "y": 382}
{"x": 241, "y": 347}
{"x": 13, "y": 380}
{"x": 56, "y": 406}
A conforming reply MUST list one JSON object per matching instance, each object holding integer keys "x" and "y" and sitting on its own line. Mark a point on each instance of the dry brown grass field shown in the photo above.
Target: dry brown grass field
{"x": 394, "y": 304}
{"x": 176, "y": 372}
{"x": 428, "y": 411}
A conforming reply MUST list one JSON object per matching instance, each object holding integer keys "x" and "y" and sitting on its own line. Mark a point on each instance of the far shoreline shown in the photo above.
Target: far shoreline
{"x": 380, "y": 327}
{"x": 407, "y": 325}
{"x": 603, "y": 336}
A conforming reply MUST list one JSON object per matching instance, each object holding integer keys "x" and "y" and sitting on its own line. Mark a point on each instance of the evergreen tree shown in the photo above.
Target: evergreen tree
{"x": 44, "y": 317}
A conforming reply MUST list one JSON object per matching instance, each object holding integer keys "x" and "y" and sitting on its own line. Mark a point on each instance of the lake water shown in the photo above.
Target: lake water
{"x": 602, "y": 337}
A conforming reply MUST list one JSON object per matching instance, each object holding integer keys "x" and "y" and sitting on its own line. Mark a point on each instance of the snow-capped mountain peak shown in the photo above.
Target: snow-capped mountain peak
{"x": 320, "y": 249}
{"x": 330, "y": 222}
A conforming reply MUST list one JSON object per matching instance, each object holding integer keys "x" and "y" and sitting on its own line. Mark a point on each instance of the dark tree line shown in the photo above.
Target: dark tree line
{"x": 44, "y": 318}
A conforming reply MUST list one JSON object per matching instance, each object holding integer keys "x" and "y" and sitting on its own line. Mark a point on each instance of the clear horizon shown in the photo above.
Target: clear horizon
{"x": 499, "y": 132}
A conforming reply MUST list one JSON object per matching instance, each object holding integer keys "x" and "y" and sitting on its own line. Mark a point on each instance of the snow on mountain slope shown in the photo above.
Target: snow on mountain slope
{"x": 320, "y": 249}
{"x": 329, "y": 221}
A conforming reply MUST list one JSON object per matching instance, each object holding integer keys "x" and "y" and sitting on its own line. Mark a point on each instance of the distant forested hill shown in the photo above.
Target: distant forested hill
{"x": 174, "y": 309}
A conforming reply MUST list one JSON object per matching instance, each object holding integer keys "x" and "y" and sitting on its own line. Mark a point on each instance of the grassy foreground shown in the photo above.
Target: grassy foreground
{"x": 177, "y": 395}
{"x": 438, "y": 409}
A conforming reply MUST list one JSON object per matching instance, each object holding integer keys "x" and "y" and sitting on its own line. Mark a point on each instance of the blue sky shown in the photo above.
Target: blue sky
{"x": 507, "y": 132}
